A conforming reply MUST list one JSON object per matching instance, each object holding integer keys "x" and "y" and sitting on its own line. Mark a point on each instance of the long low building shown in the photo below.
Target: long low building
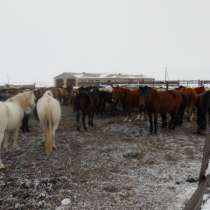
{"x": 86, "y": 79}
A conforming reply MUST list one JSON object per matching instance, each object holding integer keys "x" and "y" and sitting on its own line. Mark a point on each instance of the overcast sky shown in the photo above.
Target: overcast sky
{"x": 42, "y": 38}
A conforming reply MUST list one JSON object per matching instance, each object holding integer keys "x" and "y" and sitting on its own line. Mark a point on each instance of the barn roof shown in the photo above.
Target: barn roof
{"x": 85, "y": 75}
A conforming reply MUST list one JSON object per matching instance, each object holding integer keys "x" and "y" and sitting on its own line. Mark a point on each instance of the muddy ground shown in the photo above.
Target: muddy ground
{"x": 115, "y": 165}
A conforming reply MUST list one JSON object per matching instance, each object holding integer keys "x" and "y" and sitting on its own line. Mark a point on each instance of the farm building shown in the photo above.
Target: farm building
{"x": 85, "y": 79}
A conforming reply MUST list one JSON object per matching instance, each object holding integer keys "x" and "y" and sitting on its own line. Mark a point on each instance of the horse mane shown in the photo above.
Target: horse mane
{"x": 21, "y": 98}
{"x": 147, "y": 89}
{"x": 203, "y": 107}
{"x": 48, "y": 93}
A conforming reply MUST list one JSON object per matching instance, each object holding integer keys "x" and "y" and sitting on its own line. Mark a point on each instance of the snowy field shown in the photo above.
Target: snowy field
{"x": 115, "y": 165}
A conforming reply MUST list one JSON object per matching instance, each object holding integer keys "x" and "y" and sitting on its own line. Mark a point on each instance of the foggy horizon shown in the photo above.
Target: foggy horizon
{"x": 41, "y": 39}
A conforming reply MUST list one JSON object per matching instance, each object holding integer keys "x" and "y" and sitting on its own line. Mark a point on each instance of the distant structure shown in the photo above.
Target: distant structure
{"x": 21, "y": 86}
{"x": 67, "y": 79}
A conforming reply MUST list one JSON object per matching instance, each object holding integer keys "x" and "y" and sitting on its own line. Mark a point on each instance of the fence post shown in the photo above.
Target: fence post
{"x": 166, "y": 85}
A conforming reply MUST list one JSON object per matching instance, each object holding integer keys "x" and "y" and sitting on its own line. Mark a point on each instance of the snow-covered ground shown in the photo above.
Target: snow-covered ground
{"x": 115, "y": 165}
{"x": 206, "y": 201}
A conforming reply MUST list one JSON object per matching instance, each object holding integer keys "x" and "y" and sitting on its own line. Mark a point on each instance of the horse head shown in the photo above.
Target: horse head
{"x": 30, "y": 101}
{"x": 26, "y": 101}
{"x": 143, "y": 91}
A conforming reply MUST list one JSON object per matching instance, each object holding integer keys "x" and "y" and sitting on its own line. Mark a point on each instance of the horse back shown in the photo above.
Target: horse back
{"x": 168, "y": 101}
{"x": 199, "y": 90}
{"x": 47, "y": 105}
{"x": 133, "y": 98}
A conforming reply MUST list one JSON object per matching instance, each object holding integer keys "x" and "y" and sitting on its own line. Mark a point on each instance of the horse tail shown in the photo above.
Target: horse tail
{"x": 49, "y": 135}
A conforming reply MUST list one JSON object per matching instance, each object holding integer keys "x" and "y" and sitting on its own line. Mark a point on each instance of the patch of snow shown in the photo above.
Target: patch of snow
{"x": 206, "y": 202}
{"x": 106, "y": 89}
{"x": 208, "y": 169}
{"x": 66, "y": 202}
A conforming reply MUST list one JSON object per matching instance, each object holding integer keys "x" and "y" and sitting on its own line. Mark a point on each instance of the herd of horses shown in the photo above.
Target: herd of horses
{"x": 170, "y": 107}
{"x": 194, "y": 103}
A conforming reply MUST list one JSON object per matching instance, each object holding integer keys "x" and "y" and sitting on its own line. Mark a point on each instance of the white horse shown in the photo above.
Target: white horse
{"x": 11, "y": 116}
{"x": 49, "y": 113}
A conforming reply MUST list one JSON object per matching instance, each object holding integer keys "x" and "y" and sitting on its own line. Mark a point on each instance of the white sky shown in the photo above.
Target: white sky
{"x": 42, "y": 38}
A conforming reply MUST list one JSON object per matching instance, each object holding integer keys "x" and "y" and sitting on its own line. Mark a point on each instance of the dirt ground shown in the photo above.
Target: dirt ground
{"x": 115, "y": 165}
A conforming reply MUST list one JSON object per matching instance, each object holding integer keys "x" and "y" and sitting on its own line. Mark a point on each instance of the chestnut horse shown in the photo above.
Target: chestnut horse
{"x": 191, "y": 96}
{"x": 61, "y": 94}
{"x": 200, "y": 90}
{"x": 129, "y": 99}
{"x": 160, "y": 102}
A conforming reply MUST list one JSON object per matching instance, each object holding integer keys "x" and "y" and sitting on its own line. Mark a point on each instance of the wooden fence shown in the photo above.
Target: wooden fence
{"x": 196, "y": 199}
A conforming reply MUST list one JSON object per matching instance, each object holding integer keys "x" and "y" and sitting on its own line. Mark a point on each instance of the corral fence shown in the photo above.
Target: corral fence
{"x": 169, "y": 84}
{"x": 196, "y": 200}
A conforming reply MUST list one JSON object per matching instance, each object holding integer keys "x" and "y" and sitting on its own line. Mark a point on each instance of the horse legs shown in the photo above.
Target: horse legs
{"x": 151, "y": 122}
{"x": 180, "y": 117}
{"x": 155, "y": 122}
{"x": 190, "y": 113}
{"x": 78, "y": 120}
{"x": 91, "y": 115}
{"x": 5, "y": 142}
{"x": 53, "y": 134}
{"x": 83, "y": 120}
{"x": 164, "y": 120}
{"x": 15, "y": 139}
{"x": 209, "y": 115}
{"x": 173, "y": 120}
{"x": 89, "y": 118}
{"x": 177, "y": 120}
{"x": 1, "y": 141}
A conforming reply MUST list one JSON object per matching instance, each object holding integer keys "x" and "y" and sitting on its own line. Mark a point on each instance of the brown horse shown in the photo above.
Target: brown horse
{"x": 191, "y": 96}
{"x": 38, "y": 92}
{"x": 160, "y": 102}
{"x": 129, "y": 99}
{"x": 61, "y": 94}
{"x": 199, "y": 90}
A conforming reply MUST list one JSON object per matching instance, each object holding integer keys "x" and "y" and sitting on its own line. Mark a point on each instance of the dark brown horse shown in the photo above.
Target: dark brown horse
{"x": 203, "y": 109}
{"x": 160, "y": 102}
{"x": 86, "y": 102}
{"x": 105, "y": 98}
{"x": 129, "y": 99}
